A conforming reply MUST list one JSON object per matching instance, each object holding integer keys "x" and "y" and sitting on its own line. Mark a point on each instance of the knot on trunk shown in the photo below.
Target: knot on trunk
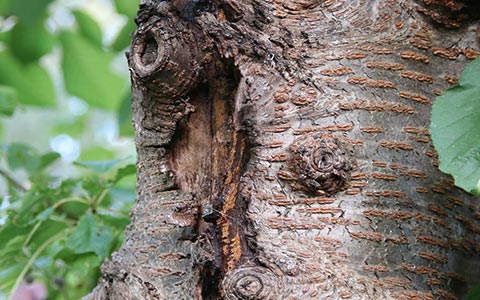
{"x": 252, "y": 283}
{"x": 321, "y": 163}
{"x": 167, "y": 57}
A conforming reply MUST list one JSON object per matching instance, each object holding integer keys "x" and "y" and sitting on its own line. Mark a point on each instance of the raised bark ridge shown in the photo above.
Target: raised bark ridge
{"x": 284, "y": 153}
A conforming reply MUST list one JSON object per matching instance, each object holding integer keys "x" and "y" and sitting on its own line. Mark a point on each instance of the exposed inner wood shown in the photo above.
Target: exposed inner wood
{"x": 209, "y": 154}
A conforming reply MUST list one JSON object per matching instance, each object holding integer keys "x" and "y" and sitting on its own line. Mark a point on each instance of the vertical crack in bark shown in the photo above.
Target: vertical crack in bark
{"x": 229, "y": 156}
{"x": 209, "y": 153}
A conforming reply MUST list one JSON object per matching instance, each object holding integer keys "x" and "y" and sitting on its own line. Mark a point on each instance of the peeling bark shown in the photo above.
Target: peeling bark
{"x": 284, "y": 153}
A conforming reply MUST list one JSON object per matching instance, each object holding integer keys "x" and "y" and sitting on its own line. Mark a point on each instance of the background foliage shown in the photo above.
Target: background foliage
{"x": 67, "y": 168}
{"x": 455, "y": 129}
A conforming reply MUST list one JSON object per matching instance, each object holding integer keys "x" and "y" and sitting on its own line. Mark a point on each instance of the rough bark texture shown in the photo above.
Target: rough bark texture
{"x": 284, "y": 153}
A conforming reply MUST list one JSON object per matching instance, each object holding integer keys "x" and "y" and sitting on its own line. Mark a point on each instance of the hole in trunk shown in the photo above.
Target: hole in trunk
{"x": 150, "y": 50}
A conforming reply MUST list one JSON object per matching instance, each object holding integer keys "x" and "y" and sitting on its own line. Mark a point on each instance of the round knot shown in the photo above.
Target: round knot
{"x": 169, "y": 63}
{"x": 323, "y": 159}
{"x": 252, "y": 283}
{"x": 149, "y": 52}
{"x": 322, "y": 163}
{"x": 248, "y": 287}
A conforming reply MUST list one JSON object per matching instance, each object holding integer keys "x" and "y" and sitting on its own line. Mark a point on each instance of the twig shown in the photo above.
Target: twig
{"x": 12, "y": 181}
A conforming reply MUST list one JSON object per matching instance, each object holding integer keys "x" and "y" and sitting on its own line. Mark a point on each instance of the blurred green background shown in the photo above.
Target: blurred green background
{"x": 67, "y": 174}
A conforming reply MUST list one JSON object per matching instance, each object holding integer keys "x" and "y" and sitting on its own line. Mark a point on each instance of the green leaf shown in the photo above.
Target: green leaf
{"x": 11, "y": 247}
{"x": 123, "y": 38}
{"x": 32, "y": 83}
{"x": 94, "y": 185}
{"x": 84, "y": 264}
{"x": 25, "y": 212}
{"x": 5, "y": 7}
{"x": 455, "y": 129}
{"x": 127, "y": 170}
{"x": 124, "y": 116}
{"x": 473, "y": 293}
{"x": 91, "y": 236}
{"x": 5, "y": 35}
{"x": 88, "y": 27}
{"x": 22, "y": 156}
{"x": 83, "y": 274}
{"x": 8, "y": 100}
{"x": 44, "y": 215}
{"x": 36, "y": 87}
{"x": 471, "y": 73}
{"x": 101, "y": 166}
{"x": 29, "y": 11}
{"x": 123, "y": 197}
{"x": 9, "y": 231}
{"x": 114, "y": 219}
{"x": 127, "y": 7}
{"x": 45, "y": 231}
{"x": 30, "y": 42}
{"x": 97, "y": 154}
{"x": 87, "y": 72}
{"x": 61, "y": 250}
{"x": 8, "y": 275}
{"x": 48, "y": 158}
{"x": 75, "y": 209}
{"x": 73, "y": 127}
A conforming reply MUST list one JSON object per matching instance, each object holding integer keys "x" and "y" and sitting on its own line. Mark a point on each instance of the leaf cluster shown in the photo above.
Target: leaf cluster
{"x": 59, "y": 231}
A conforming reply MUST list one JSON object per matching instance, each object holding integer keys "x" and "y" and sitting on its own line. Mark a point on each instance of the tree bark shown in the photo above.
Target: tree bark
{"x": 284, "y": 153}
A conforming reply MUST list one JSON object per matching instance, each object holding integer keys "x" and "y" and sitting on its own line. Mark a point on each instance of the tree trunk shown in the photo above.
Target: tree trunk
{"x": 284, "y": 153}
